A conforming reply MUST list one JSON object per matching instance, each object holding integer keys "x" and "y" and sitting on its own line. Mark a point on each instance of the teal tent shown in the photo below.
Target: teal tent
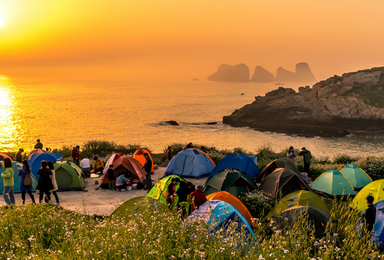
{"x": 356, "y": 176}
{"x": 16, "y": 178}
{"x": 333, "y": 183}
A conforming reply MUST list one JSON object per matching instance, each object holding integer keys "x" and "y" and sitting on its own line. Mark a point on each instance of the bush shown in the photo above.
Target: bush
{"x": 257, "y": 204}
{"x": 344, "y": 159}
{"x": 265, "y": 155}
{"x": 373, "y": 166}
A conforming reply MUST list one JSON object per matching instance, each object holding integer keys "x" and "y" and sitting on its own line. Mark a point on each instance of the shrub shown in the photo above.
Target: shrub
{"x": 257, "y": 204}
{"x": 373, "y": 166}
{"x": 344, "y": 159}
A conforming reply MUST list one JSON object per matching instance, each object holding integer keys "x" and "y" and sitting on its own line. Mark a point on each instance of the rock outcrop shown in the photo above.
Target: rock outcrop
{"x": 262, "y": 75}
{"x": 334, "y": 107}
{"x": 237, "y": 73}
{"x": 302, "y": 74}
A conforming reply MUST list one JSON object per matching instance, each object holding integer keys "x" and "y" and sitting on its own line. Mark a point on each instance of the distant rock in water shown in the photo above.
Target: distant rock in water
{"x": 335, "y": 107}
{"x": 302, "y": 74}
{"x": 285, "y": 75}
{"x": 262, "y": 75}
{"x": 172, "y": 122}
{"x": 237, "y": 73}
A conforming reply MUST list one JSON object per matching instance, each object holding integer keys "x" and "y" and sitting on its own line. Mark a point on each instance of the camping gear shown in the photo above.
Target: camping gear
{"x": 158, "y": 189}
{"x": 232, "y": 181}
{"x": 16, "y": 178}
{"x": 278, "y": 163}
{"x": 139, "y": 205}
{"x": 235, "y": 202}
{"x": 375, "y": 189}
{"x": 240, "y": 162}
{"x": 69, "y": 176}
{"x": 5, "y": 156}
{"x": 356, "y": 176}
{"x": 110, "y": 161}
{"x": 35, "y": 161}
{"x": 299, "y": 198}
{"x": 218, "y": 215}
{"x": 317, "y": 217}
{"x": 139, "y": 155}
{"x": 190, "y": 163}
{"x": 281, "y": 182}
{"x": 333, "y": 183}
{"x": 34, "y": 152}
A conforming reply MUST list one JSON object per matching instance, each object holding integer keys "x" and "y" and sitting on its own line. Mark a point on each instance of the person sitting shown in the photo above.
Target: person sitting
{"x": 197, "y": 198}
{"x": 190, "y": 145}
{"x": 121, "y": 182}
{"x": 98, "y": 165}
{"x": 38, "y": 145}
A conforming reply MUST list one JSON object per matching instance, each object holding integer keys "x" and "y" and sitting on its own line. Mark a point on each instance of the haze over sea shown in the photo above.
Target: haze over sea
{"x": 133, "y": 112}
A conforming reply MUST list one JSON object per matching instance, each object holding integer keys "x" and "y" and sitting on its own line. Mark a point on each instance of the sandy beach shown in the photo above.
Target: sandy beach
{"x": 99, "y": 202}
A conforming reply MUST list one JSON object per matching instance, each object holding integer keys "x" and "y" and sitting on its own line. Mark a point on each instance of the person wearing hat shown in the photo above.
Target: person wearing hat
{"x": 197, "y": 197}
{"x": 369, "y": 215}
{"x": 307, "y": 156}
{"x": 38, "y": 145}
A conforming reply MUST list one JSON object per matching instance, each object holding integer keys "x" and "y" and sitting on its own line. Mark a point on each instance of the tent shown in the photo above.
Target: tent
{"x": 190, "y": 163}
{"x": 139, "y": 205}
{"x": 278, "y": 163}
{"x": 5, "y": 155}
{"x": 315, "y": 216}
{"x": 235, "y": 202}
{"x": 16, "y": 178}
{"x": 356, "y": 176}
{"x": 157, "y": 190}
{"x": 232, "y": 181}
{"x": 238, "y": 161}
{"x": 34, "y": 152}
{"x": 218, "y": 215}
{"x": 35, "y": 161}
{"x": 139, "y": 155}
{"x": 333, "y": 183}
{"x": 299, "y": 198}
{"x": 281, "y": 182}
{"x": 111, "y": 159}
{"x": 375, "y": 189}
{"x": 69, "y": 176}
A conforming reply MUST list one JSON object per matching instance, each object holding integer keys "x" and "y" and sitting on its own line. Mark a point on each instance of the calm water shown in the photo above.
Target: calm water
{"x": 72, "y": 112}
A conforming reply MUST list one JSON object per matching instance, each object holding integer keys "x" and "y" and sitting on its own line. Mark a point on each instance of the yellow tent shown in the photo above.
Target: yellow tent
{"x": 375, "y": 189}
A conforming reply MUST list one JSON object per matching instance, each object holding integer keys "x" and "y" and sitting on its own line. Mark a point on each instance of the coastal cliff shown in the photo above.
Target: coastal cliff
{"x": 331, "y": 108}
{"x": 237, "y": 73}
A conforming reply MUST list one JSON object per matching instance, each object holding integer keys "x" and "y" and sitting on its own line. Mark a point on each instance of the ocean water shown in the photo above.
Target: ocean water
{"x": 63, "y": 112}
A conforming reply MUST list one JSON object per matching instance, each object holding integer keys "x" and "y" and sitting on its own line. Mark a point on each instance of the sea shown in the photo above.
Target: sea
{"x": 72, "y": 112}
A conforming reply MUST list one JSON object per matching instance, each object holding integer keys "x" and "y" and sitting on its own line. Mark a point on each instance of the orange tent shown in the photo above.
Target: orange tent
{"x": 139, "y": 155}
{"x": 5, "y": 155}
{"x": 235, "y": 202}
{"x": 37, "y": 151}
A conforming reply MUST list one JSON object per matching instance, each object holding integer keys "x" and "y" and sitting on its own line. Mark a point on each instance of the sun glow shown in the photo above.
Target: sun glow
{"x": 1, "y": 22}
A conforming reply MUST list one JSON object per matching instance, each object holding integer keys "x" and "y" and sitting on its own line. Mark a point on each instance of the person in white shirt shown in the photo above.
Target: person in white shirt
{"x": 85, "y": 165}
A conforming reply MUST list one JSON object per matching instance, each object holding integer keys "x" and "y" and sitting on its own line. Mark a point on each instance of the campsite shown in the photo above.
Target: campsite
{"x": 250, "y": 213}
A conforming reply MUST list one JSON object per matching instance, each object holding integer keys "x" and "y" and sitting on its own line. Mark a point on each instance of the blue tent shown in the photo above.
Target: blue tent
{"x": 240, "y": 162}
{"x": 36, "y": 160}
{"x": 16, "y": 178}
{"x": 217, "y": 214}
{"x": 378, "y": 229}
{"x": 190, "y": 163}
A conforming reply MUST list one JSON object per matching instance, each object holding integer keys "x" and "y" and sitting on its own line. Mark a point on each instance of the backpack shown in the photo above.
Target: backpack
{"x": 28, "y": 180}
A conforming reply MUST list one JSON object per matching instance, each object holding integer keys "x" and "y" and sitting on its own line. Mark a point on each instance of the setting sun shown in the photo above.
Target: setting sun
{"x": 1, "y": 22}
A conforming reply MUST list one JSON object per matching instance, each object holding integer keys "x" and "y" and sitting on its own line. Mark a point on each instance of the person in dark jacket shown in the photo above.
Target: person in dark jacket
{"x": 45, "y": 182}
{"x": 111, "y": 177}
{"x": 148, "y": 168}
{"x": 19, "y": 156}
{"x": 25, "y": 189}
{"x": 369, "y": 215}
{"x": 307, "y": 156}
{"x": 191, "y": 187}
{"x": 38, "y": 145}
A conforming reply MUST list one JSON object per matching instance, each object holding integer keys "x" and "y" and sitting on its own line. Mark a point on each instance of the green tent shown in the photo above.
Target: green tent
{"x": 139, "y": 205}
{"x": 356, "y": 176}
{"x": 157, "y": 190}
{"x": 333, "y": 183}
{"x": 232, "y": 181}
{"x": 69, "y": 176}
{"x": 299, "y": 198}
{"x": 278, "y": 163}
{"x": 281, "y": 182}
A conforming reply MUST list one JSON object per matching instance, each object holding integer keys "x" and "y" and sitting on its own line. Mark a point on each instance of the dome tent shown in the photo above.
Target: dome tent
{"x": 139, "y": 155}
{"x": 36, "y": 160}
{"x": 375, "y": 189}
{"x": 238, "y": 161}
{"x": 356, "y": 176}
{"x": 278, "y": 163}
{"x": 333, "y": 183}
{"x": 69, "y": 176}
{"x": 157, "y": 190}
{"x": 139, "y": 205}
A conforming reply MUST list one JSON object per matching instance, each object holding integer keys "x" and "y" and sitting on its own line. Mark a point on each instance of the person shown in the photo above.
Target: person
{"x": 8, "y": 181}
{"x": 19, "y": 156}
{"x": 76, "y": 155}
{"x": 202, "y": 148}
{"x": 148, "y": 168}
{"x": 191, "y": 187}
{"x": 369, "y": 215}
{"x": 169, "y": 153}
{"x": 38, "y": 145}
{"x": 121, "y": 182}
{"x": 111, "y": 177}
{"x": 197, "y": 197}
{"x": 170, "y": 193}
{"x": 85, "y": 165}
{"x": 190, "y": 145}
{"x": 98, "y": 165}
{"x": 23, "y": 188}
{"x": 307, "y": 156}
{"x": 45, "y": 183}
{"x": 291, "y": 154}
{"x": 182, "y": 194}
{"x": 54, "y": 183}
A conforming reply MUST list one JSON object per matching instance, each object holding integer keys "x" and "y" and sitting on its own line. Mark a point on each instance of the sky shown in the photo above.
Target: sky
{"x": 187, "y": 39}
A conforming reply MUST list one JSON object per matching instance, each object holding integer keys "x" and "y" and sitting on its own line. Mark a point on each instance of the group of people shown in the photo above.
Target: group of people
{"x": 307, "y": 156}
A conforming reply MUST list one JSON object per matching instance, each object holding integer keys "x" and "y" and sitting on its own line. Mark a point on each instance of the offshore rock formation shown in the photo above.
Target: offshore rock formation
{"x": 262, "y": 75}
{"x": 331, "y": 108}
{"x": 302, "y": 74}
{"x": 237, "y": 73}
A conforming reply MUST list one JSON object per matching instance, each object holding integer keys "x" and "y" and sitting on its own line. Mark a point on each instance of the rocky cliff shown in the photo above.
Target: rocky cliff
{"x": 334, "y": 107}
{"x": 302, "y": 74}
{"x": 262, "y": 75}
{"x": 237, "y": 73}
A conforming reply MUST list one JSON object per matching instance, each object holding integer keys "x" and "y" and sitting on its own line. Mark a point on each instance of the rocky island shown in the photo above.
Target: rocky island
{"x": 334, "y": 107}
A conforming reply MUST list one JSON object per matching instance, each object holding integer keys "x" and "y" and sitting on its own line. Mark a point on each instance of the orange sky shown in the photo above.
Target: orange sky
{"x": 188, "y": 39}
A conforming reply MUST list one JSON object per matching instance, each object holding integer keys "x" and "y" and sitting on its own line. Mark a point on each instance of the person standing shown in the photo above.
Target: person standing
{"x": 190, "y": 145}
{"x": 148, "y": 168}
{"x": 38, "y": 145}
{"x": 76, "y": 155}
{"x": 170, "y": 193}
{"x": 111, "y": 177}
{"x": 85, "y": 165}
{"x": 8, "y": 181}
{"x": 369, "y": 215}
{"x": 98, "y": 165}
{"x": 169, "y": 153}
{"x": 291, "y": 154}
{"x": 197, "y": 198}
{"x": 54, "y": 183}
{"x": 19, "y": 156}
{"x": 45, "y": 183}
{"x": 26, "y": 170}
{"x": 307, "y": 156}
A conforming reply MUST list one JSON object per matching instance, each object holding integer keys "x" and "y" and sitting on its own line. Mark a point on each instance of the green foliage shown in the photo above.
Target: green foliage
{"x": 265, "y": 155}
{"x": 344, "y": 159}
{"x": 257, "y": 204}
{"x": 372, "y": 165}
